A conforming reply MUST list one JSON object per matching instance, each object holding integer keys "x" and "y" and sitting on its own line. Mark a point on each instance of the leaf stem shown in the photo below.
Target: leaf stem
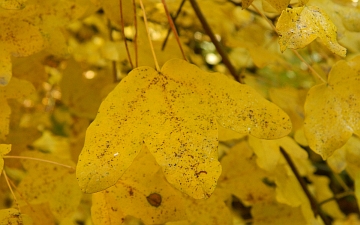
{"x": 174, "y": 19}
{"x": 37, "y": 159}
{"x": 217, "y": 44}
{"x": 149, "y": 38}
{"x": 123, "y": 34}
{"x": 136, "y": 33}
{"x": 12, "y": 192}
{"x": 171, "y": 23}
{"x": 316, "y": 74}
{"x": 314, "y": 204}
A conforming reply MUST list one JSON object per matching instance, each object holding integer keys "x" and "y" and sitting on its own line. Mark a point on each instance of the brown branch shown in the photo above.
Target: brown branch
{"x": 314, "y": 204}
{"x": 123, "y": 33}
{"x": 171, "y": 23}
{"x": 217, "y": 44}
{"x": 174, "y": 19}
{"x": 136, "y": 33}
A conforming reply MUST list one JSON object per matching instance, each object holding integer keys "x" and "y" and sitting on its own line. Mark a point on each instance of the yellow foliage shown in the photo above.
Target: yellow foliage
{"x": 299, "y": 26}
{"x": 175, "y": 112}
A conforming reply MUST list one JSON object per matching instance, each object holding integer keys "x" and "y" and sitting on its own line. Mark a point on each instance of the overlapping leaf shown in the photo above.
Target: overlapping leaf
{"x": 49, "y": 183}
{"x": 332, "y": 112}
{"x": 143, "y": 193}
{"x": 299, "y": 26}
{"x": 175, "y": 112}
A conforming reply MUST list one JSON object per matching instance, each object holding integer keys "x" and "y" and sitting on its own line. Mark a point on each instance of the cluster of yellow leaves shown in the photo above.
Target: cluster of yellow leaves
{"x": 151, "y": 154}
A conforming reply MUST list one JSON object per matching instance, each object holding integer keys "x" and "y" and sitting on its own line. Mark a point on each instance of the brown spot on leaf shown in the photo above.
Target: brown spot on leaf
{"x": 154, "y": 199}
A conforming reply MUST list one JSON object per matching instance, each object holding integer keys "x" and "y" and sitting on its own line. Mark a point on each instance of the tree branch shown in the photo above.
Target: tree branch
{"x": 217, "y": 44}
{"x": 314, "y": 204}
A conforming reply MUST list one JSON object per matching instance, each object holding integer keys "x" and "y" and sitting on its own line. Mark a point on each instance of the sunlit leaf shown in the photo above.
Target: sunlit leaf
{"x": 175, "y": 112}
{"x": 331, "y": 109}
{"x": 299, "y": 26}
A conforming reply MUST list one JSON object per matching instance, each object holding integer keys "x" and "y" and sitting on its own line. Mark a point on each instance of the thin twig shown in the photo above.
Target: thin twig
{"x": 337, "y": 196}
{"x": 136, "y": 33}
{"x": 341, "y": 182}
{"x": 293, "y": 50}
{"x": 113, "y": 62}
{"x": 174, "y": 19}
{"x": 171, "y": 23}
{"x": 123, "y": 33}
{"x": 148, "y": 34}
{"x": 37, "y": 159}
{"x": 217, "y": 44}
{"x": 314, "y": 204}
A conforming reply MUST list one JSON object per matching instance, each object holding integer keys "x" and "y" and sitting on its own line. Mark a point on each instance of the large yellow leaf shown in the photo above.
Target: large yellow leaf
{"x": 175, "y": 113}
{"x": 332, "y": 112}
{"x": 299, "y": 26}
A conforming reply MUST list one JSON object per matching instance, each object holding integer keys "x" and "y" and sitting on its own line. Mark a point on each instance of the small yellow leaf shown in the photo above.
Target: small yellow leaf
{"x": 332, "y": 113}
{"x": 323, "y": 192}
{"x": 279, "y": 5}
{"x": 4, "y": 149}
{"x": 299, "y": 26}
{"x": 245, "y": 181}
{"x": 175, "y": 112}
{"x": 12, "y": 216}
{"x": 12, "y": 4}
{"x": 267, "y": 152}
{"x": 246, "y": 3}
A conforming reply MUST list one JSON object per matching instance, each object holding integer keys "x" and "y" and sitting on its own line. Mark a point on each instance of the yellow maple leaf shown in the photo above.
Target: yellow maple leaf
{"x": 299, "y": 26}
{"x": 175, "y": 113}
{"x": 331, "y": 109}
